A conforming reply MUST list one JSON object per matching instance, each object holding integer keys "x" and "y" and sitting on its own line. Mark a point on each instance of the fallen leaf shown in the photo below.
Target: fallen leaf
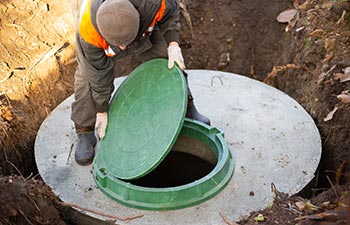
{"x": 344, "y": 98}
{"x": 326, "y": 204}
{"x": 292, "y": 22}
{"x": 6, "y": 114}
{"x": 330, "y": 115}
{"x": 330, "y": 43}
{"x": 329, "y": 214}
{"x": 259, "y": 218}
{"x": 300, "y": 205}
{"x": 339, "y": 76}
{"x": 327, "y": 5}
{"x": 305, "y": 5}
{"x": 342, "y": 77}
{"x": 317, "y": 33}
{"x": 310, "y": 206}
{"x": 327, "y": 58}
{"x": 287, "y": 15}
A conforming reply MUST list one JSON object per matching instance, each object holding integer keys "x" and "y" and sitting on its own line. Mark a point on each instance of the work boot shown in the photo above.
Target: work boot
{"x": 84, "y": 152}
{"x": 192, "y": 112}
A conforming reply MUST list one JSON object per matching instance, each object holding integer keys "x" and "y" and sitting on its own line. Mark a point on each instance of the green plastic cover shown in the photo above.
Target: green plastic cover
{"x": 145, "y": 118}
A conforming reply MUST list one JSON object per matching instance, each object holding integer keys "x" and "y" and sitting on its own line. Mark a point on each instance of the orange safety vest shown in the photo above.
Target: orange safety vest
{"x": 92, "y": 36}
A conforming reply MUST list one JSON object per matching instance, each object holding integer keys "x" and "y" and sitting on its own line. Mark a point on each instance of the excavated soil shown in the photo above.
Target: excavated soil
{"x": 308, "y": 62}
{"x": 27, "y": 202}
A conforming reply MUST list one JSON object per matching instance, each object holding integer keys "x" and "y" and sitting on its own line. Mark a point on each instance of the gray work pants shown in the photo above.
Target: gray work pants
{"x": 84, "y": 108}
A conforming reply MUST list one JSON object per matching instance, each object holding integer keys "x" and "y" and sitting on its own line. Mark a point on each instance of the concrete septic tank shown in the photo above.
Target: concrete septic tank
{"x": 271, "y": 137}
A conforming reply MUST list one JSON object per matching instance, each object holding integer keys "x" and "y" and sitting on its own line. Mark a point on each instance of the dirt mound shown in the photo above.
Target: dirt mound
{"x": 27, "y": 202}
{"x": 321, "y": 39}
{"x": 331, "y": 207}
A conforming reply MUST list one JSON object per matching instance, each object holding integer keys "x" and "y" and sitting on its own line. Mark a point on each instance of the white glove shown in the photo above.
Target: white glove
{"x": 101, "y": 124}
{"x": 175, "y": 55}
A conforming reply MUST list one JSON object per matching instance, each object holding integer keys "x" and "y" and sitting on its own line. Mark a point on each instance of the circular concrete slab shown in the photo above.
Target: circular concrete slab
{"x": 271, "y": 136}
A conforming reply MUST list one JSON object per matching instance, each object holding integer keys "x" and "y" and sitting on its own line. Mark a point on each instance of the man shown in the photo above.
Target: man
{"x": 109, "y": 30}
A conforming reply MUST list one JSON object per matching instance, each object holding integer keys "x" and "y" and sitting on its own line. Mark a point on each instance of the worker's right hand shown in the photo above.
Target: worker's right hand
{"x": 101, "y": 124}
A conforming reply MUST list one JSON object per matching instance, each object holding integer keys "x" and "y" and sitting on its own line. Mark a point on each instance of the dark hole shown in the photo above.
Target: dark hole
{"x": 178, "y": 168}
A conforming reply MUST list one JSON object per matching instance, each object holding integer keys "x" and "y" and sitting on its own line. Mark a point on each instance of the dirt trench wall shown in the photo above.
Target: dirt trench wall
{"x": 36, "y": 73}
{"x": 322, "y": 51}
{"x": 244, "y": 37}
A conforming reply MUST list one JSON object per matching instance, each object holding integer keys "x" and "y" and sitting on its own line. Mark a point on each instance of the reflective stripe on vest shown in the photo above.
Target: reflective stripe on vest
{"x": 109, "y": 52}
{"x": 157, "y": 18}
{"x": 90, "y": 34}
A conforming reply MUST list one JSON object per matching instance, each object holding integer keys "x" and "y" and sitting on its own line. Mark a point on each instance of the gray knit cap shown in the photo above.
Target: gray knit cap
{"x": 118, "y": 22}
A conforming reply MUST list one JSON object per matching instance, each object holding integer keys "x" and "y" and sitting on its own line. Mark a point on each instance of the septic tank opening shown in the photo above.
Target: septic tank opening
{"x": 188, "y": 161}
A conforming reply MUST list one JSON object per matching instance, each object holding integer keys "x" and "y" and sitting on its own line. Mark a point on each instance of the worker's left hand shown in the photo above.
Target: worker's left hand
{"x": 101, "y": 124}
{"x": 175, "y": 55}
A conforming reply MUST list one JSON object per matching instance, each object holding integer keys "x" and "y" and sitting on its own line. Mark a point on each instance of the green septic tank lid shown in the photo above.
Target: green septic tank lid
{"x": 145, "y": 118}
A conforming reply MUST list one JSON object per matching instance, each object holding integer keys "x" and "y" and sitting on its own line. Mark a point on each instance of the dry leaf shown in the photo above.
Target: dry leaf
{"x": 339, "y": 76}
{"x": 317, "y": 33}
{"x": 6, "y": 114}
{"x": 324, "y": 215}
{"x": 344, "y": 98}
{"x": 259, "y": 218}
{"x": 346, "y": 74}
{"x": 329, "y": 44}
{"x": 327, "y": 5}
{"x": 327, "y": 58}
{"x": 287, "y": 15}
{"x": 310, "y": 206}
{"x": 330, "y": 115}
{"x": 326, "y": 204}
{"x": 305, "y": 5}
{"x": 300, "y": 205}
{"x": 343, "y": 77}
{"x": 292, "y": 22}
